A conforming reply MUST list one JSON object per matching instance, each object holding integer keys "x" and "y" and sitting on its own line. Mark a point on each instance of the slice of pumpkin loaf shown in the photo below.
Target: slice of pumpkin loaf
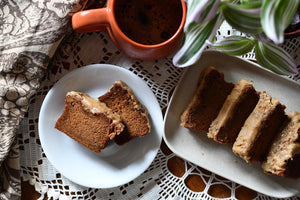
{"x": 259, "y": 129}
{"x": 237, "y": 107}
{"x": 120, "y": 98}
{"x": 283, "y": 158}
{"x": 88, "y": 121}
{"x": 207, "y": 101}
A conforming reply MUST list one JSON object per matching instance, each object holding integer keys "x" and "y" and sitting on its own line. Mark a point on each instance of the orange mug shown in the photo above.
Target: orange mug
{"x": 142, "y": 29}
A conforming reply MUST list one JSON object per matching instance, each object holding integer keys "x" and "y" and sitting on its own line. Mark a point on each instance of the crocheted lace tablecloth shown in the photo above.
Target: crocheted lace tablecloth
{"x": 159, "y": 181}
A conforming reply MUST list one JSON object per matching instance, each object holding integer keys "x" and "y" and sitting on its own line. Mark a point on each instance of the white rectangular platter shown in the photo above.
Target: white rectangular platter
{"x": 195, "y": 147}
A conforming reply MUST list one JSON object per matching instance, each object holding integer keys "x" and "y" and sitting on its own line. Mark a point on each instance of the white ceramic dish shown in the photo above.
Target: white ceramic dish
{"x": 115, "y": 165}
{"x": 218, "y": 158}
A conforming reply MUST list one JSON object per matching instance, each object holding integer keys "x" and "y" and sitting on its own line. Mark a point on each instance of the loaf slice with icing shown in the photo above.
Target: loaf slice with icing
{"x": 88, "y": 121}
{"x": 237, "y": 107}
{"x": 207, "y": 101}
{"x": 283, "y": 158}
{"x": 121, "y": 99}
{"x": 259, "y": 129}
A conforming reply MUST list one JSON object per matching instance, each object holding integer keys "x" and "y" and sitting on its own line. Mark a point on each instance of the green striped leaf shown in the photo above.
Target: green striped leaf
{"x": 275, "y": 59}
{"x": 196, "y": 41}
{"x": 276, "y": 16}
{"x": 261, "y": 37}
{"x": 247, "y": 1}
{"x": 234, "y": 45}
{"x": 201, "y": 11}
{"x": 243, "y": 17}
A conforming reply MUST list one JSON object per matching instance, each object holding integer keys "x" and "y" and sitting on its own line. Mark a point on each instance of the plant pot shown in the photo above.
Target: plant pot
{"x": 293, "y": 30}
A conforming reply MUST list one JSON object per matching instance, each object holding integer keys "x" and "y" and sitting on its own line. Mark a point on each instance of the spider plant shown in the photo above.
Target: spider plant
{"x": 262, "y": 21}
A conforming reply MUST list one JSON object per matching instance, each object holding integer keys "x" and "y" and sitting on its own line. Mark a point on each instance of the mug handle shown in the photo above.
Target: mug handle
{"x": 90, "y": 20}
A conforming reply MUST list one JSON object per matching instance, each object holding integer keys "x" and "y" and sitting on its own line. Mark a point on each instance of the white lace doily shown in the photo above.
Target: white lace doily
{"x": 158, "y": 181}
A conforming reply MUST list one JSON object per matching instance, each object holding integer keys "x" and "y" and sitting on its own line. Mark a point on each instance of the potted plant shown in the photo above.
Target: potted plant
{"x": 263, "y": 23}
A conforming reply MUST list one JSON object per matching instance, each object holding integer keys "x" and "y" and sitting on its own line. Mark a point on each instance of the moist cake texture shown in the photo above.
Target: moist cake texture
{"x": 207, "y": 101}
{"x": 121, "y": 99}
{"x": 237, "y": 107}
{"x": 283, "y": 158}
{"x": 259, "y": 129}
{"x": 88, "y": 121}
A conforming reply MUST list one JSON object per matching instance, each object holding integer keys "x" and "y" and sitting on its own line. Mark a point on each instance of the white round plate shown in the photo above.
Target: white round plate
{"x": 115, "y": 165}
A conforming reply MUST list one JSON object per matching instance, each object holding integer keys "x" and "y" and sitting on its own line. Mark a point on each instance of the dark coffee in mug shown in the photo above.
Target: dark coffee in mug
{"x": 148, "y": 21}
